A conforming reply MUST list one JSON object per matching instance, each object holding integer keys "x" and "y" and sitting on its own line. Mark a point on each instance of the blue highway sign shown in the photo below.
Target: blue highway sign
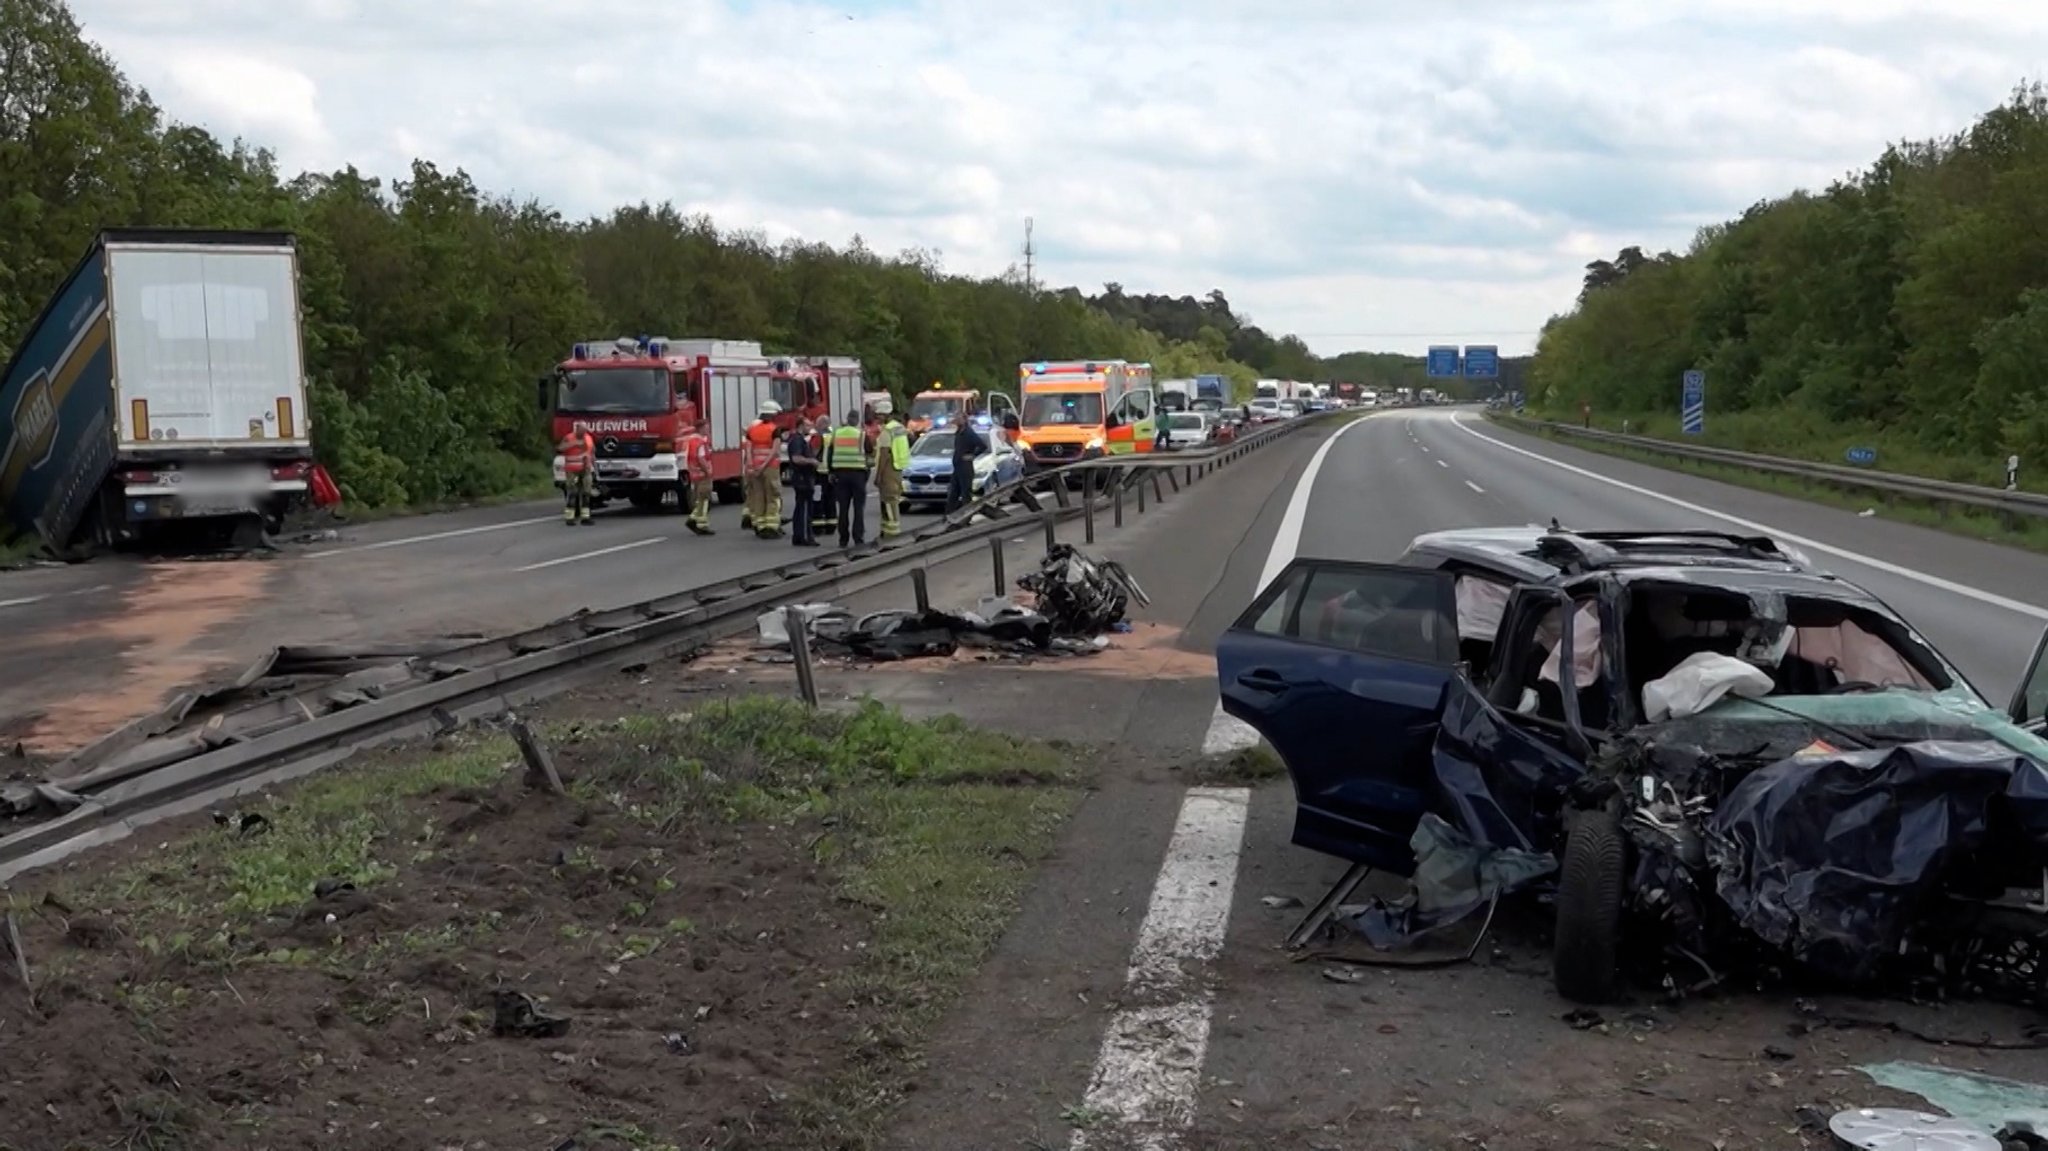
{"x": 1482, "y": 362}
{"x": 1863, "y": 456}
{"x": 1443, "y": 362}
{"x": 1692, "y": 406}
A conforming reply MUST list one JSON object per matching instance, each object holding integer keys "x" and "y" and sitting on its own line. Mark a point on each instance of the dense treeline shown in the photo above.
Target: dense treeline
{"x": 1906, "y": 306}
{"x": 432, "y": 304}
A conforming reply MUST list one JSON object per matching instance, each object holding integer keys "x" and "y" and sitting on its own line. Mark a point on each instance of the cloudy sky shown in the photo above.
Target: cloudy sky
{"x": 1366, "y": 174}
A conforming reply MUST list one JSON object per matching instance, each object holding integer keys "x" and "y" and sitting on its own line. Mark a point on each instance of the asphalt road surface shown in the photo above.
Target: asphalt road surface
{"x": 91, "y": 646}
{"x": 1143, "y": 978}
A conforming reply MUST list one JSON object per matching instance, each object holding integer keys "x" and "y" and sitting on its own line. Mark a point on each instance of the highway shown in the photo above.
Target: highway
{"x": 1257, "y": 1051}
{"x": 93, "y": 645}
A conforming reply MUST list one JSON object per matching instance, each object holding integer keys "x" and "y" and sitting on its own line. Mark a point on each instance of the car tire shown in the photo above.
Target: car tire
{"x": 1585, "y": 955}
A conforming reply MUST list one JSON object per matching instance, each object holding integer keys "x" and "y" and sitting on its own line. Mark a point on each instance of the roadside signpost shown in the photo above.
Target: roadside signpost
{"x": 1692, "y": 404}
{"x": 1862, "y": 457}
{"x": 1482, "y": 362}
{"x": 1443, "y": 362}
{"x": 1521, "y": 401}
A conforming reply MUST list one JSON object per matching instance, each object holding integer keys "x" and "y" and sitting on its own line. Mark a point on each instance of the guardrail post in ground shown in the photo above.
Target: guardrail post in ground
{"x": 1088, "y": 521}
{"x": 800, "y": 647}
{"x": 1158, "y": 492}
{"x": 1141, "y": 499}
{"x": 1052, "y": 530}
{"x": 1117, "y": 506}
{"x": 920, "y": 590}
{"x": 540, "y": 766}
{"x": 995, "y": 552}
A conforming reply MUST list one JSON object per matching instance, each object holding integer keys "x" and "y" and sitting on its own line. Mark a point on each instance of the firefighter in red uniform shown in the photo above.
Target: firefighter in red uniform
{"x": 579, "y": 475}
{"x": 697, "y": 465}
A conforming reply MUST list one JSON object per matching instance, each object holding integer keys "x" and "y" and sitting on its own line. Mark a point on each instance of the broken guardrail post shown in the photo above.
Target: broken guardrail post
{"x": 921, "y": 590}
{"x": 800, "y": 647}
{"x": 995, "y": 551}
{"x": 1052, "y": 532}
{"x": 540, "y": 766}
{"x": 1158, "y": 490}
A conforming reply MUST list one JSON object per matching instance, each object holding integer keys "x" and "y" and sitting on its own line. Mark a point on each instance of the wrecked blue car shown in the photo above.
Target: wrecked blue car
{"x": 1707, "y": 737}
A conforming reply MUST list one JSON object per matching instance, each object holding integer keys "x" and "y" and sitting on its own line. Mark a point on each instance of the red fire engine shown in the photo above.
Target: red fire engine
{"x": 638, "y": 397}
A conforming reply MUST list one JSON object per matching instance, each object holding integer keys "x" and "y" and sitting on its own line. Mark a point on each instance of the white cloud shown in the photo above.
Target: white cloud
{"x": 1365, "y": 174}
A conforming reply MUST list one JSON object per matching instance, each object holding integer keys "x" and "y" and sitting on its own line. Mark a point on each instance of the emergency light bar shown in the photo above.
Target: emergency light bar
{"x": 653, "y": 347}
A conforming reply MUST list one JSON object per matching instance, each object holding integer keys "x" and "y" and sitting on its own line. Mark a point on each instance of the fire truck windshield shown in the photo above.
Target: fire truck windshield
{"x": 614, "y": 390}
{"x": 1043, "y": 408}
{"x": 934, "y": 407}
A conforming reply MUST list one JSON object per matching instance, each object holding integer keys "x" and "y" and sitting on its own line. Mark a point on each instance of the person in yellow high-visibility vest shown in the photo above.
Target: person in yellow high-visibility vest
{"x": 846, "y": 461}
{"x": 892, "y": 455}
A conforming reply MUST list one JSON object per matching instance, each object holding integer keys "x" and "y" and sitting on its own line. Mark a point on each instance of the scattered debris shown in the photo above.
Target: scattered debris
{"x": 1081, "y": 595}
{"x": 517, "y": 1014}
{"x": 1079, "y": 601}
{"x": 1279, "y": 902}
{"x": 1986, "y": 1102}
{"x": 19, "y": 953}
{"x": 1885, "y": 1128}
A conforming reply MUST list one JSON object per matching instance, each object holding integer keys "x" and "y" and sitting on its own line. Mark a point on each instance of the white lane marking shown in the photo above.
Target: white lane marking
{"x": 1442, "y": 464}
{"x": 1149, "y": 1073}
{"x": 1980, "y": 595}
{"x": 1423, "y": 446}
{"x": 590, "y": 555}
{"x": 25, "y": 601}
{"x": 1475, "y": 487}
{"x": 447, "y": 535}
{"x": 1228, "y": 733}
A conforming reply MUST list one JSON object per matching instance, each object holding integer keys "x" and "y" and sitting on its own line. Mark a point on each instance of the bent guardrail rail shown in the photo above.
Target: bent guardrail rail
{"x": 1888, "y": 483}
{"x": 174, "y": 759}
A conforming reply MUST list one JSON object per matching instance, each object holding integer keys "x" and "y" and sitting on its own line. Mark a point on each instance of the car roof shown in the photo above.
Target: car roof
{"x": 1544, "y": 554}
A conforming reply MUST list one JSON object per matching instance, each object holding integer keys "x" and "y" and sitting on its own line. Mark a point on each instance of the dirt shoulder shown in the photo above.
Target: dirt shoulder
{"x": 733, "y": 930}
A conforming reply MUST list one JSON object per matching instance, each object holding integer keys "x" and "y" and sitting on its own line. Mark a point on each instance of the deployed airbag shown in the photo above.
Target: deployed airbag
{"x": 1699, "y": 682}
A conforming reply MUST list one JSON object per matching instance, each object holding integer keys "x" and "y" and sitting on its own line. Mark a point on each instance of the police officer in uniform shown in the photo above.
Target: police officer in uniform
{"x": 803, "y": 483}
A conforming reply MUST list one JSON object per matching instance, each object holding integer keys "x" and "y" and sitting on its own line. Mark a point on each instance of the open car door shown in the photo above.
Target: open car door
{"x": 1343, "y": 668}
{"x": 2029, "y": 707}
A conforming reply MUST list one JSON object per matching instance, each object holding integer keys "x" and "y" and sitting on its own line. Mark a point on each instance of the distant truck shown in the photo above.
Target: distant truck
{"x": 163, "y": 386}
{"x": 1215, "y": 388}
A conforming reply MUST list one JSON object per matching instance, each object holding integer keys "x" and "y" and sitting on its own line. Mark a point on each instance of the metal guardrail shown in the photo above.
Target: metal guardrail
{"x": 178, "y": 759}
{"x": 1888, "y": 483}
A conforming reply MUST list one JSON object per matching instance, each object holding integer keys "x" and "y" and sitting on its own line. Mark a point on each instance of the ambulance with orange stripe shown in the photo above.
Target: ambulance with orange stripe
{"x": 1075, "y": 410}
{"x": 164, "y": 385}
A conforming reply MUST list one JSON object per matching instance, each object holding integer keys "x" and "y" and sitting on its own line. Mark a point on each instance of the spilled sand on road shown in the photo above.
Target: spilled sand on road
{"x": 160, "y": 629}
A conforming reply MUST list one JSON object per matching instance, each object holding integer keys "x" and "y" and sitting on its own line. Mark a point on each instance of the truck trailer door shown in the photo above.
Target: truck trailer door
{"x": 206, "y": 345}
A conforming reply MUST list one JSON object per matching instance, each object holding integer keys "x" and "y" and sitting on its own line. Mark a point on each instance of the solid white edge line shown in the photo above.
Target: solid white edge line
{"x": 1475, "y": 487}
{"x": 1228, "y": 733}
{"x": 1148, "y": 1076}
{"x": 447, "y": 535}
{"x": 1980, "y": 595}
{"x": 590, "y": 555}
{"x": 23, "y": 601}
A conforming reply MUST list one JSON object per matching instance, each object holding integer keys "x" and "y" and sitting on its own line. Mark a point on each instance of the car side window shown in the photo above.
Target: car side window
{"x": 1400, "y": 613}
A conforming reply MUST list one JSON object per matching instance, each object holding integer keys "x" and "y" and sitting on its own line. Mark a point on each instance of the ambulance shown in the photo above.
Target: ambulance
{"x": 1076, "y": 410}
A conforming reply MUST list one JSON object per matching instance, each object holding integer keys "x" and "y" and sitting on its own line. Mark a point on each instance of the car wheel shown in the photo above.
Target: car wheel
{"x": 1585, "y": 953}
